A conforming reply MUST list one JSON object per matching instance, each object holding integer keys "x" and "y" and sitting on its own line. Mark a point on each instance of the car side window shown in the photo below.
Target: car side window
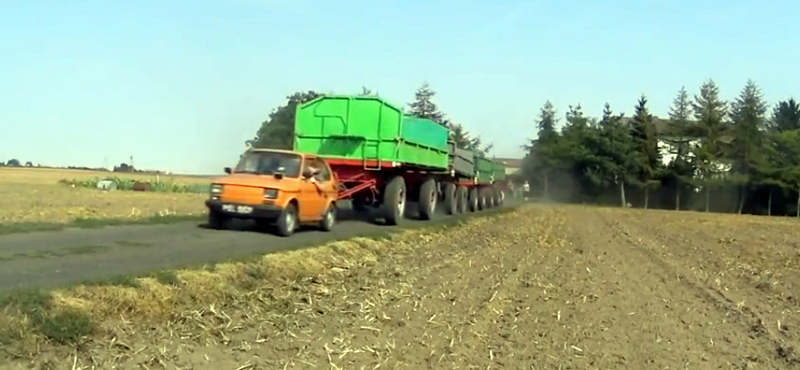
{"x": 324, "y": 173}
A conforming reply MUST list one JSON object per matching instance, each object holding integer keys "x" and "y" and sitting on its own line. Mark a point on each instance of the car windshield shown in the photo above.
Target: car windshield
{"x": 268, "y": 163}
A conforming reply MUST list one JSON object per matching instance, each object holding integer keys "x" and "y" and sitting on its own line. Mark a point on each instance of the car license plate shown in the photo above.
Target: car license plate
{"x": 237, "y": 209}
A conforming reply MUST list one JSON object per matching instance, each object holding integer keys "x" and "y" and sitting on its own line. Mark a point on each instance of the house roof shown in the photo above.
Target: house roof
{"x": 510, "y": 162}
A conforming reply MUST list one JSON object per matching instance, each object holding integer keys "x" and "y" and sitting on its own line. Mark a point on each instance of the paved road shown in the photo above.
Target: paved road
{"x": 55, "y": 258}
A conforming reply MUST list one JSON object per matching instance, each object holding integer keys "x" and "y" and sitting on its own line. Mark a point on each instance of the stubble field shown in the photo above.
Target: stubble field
{"x": 541, "y": 287}
{"x": 34, "y": 195}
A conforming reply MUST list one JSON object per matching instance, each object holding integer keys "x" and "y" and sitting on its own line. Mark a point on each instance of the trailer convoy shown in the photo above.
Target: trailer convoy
{"x": 361, "y": 149}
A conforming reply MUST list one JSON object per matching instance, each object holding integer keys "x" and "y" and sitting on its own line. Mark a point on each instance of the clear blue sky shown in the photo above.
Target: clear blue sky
{"x": 180, "y": 85}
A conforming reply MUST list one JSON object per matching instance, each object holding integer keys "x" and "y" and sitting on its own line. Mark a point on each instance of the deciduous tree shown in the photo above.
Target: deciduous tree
{"x": 277, "y": 132}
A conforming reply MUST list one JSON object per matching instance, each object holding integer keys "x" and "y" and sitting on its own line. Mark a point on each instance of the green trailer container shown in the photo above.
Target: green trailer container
{"x": 368, "y": 129}
{"x": 499, "y": 171}
{"x": 484, "y": 169}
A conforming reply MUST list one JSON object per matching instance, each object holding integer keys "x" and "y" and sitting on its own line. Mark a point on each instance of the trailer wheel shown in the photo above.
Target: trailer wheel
{"x": 450, "y": 199}
{"x": 474, "y": 200}
{"x": 462, "y": 198}
{"x": 483, "y": 203}
{"x": 427, "y": 199}
{"x": 287, "y": 221}
{"x": 495, "y": 194}
{"x": 394, "y": 200}
{"x": 490, "y": 197}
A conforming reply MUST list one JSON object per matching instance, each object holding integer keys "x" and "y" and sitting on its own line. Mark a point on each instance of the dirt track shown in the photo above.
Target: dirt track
{"x": 543, "y": 288}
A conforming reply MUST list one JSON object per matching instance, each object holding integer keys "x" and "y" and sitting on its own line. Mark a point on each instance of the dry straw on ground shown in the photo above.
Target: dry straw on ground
{"x": 210, "y": 305}
{"x": 544, "y": 287}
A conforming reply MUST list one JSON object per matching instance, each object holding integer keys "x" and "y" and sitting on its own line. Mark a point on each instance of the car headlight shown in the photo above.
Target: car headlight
{"x": 270, "y": 193}
{"x": 216, "y": 189}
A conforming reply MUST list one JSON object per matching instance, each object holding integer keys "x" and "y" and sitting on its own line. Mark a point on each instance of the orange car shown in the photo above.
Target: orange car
{"x": 278, "y": 187}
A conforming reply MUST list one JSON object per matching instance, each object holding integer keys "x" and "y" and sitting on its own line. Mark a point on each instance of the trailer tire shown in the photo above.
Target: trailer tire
{"x": 490, "y": 197}
{"x": 474, "y": 200}
{"x": 462, "y": 198}
{"x": 496, "y": 197}
{"x": 427, "y": 199}
{"x": 484, "y": 203}
{"x": 287, "y": 221}
{"x": 394, "y": 200}
{"x": 450, "y": 199}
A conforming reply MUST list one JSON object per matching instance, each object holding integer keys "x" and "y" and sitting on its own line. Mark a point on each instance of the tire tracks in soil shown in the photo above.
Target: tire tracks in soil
{"x": 751, "y": 324}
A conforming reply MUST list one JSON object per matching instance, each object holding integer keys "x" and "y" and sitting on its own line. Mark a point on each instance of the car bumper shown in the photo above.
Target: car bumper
{"x": 238, "y": 210}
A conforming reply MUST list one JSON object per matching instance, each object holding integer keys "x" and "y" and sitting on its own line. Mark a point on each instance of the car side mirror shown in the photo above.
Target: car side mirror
{"x": 228, "y": 170}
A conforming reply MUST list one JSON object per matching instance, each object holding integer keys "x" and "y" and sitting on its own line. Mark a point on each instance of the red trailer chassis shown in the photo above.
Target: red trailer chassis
{"x": 390, "y": 184}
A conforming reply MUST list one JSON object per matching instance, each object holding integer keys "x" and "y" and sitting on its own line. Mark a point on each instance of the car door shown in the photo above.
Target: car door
{"x": 328, "y": 187}
{"x": 316, "y": 196}
{"x": 308, "y": 196}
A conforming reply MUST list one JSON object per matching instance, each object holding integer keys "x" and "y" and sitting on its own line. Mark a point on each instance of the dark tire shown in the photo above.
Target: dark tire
{"x": 490, "y": 198}
{"x": 450, "y": 199}
{"x": 462, "y": 198}
{"x": 483, "y": 203}
{"x": 394, "y": 200}
{"x": 427, "y": 199}
{"x": 287, "y": 221}
{"x": 329, "y": 219}
{"x": 474, "y": 200}
{"x": 495, "y": 197}
{"x": 217, "y": 220}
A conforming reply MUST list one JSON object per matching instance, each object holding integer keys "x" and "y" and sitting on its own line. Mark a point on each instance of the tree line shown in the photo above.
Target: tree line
{"x": 709, "y": 154}
{"x": 277, "y": 131}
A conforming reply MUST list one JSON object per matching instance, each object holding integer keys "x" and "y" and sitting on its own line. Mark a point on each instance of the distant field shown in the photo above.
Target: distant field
{"x": 34, "y": 195}
{"x": 49, "y": 176}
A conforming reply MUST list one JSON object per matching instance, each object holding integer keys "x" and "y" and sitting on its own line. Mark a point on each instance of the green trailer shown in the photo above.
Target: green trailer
{"x": 383, "y": 157}
{"x": 499, "y": 171}
{"x": 371, "y": 131}
{"x": 484, "y": 170}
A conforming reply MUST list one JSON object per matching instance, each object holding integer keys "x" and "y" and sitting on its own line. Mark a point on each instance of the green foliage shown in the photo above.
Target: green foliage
{"x": 749, "y": 122}
{"x": 277, "y": 132}
{"x": 786, "y": 116}
{"x": 643, "y": 129}
{"x": 423, "y": 105}
{"x": 121, "y": 280}
{"x": 124, "y": 184}
{"x": 63, "y": 326}
{"x": 167, "y": 277}
{"x": 67, "y": 326}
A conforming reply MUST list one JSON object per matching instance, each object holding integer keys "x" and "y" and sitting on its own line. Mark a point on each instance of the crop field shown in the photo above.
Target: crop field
{"x": 539, "y": 287}
{"x": 35, "y": 195}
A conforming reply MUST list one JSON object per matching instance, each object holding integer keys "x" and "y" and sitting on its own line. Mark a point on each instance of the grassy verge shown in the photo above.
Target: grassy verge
{"x": 86, "y": 223}
{"x": 127, "y": 184}
{"x": 91, "y": 312}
